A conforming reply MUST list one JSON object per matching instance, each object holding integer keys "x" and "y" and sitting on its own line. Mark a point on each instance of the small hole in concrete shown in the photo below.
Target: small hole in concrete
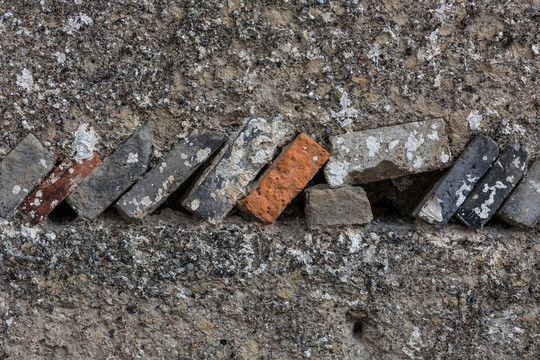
{"x": 358, "y": 330}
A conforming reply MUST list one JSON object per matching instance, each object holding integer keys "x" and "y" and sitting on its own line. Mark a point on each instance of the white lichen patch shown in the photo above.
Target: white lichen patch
{"x": 132, "y": 158}
{"x": 535, "y": 185}
{"x": 373, "y": 144}
{"x": 26, "y": 81}
{"x": 145, "y": 201}
{"x": 393, "y": 144}
{"x": 475, "y": 119}
{"x": 202, "y": 154}
{"x": 462, "y": 193}
{"x": 84, "y": 143}
{"x": 433, "y": 136}
{"x": 346, "y": 115}
{"x": 444, "y": 157}
{"x": 484, "y": 210}
{"x": 16, "y": 190}
{"x": 194, "y": 205}
{"x": 432, "y": 211}
{"x": 43, "y": 163}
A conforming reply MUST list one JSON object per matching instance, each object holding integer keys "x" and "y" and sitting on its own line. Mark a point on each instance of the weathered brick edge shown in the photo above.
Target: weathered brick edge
{"x": 447, "y": 195}
{"x": 116, "y": 173}
{"x": 171, "y": 172}
{"x": 522, "y": 208}
{"x": 494, "y": 187}
{"x": 225, "y": 182}
{"x": 286, "y": 177}
{"x": 21, "y": 171}
{"x": 57, "y": 186}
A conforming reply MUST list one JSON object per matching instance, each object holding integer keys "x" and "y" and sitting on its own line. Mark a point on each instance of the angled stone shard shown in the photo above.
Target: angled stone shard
{"x": 63, "y": 180}
{"x": 494, "y": 187}
{"x": 444, "y": 199}
{"x": 160, "y": 182}
{"x": 114, "y": 175}
{"x": 227, "y": 180}
{"x": 287, "y": 176}
{"x": 522, "y": 208}
{"x": 329, "y": 208}
{"x": 387, "y": 153}
{"x": 21, "y": 171}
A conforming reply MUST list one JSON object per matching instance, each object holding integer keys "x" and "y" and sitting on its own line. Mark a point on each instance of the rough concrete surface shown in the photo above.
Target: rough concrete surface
{"x": 171, "y": 287}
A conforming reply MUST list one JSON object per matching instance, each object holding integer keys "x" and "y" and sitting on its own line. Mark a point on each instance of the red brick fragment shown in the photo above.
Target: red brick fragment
{"x": 57, "y": 186}
{"x": 289, "y": 174}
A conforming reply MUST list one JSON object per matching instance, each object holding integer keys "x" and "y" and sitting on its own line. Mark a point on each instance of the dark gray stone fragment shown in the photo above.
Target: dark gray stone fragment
{"x": 114, "y": 175}
{"x": 449, "y": 193}
{"x": 225, "y": 182}
{"x": 154, "y": 188}
{"x": 345, "y": 206}
{"x": 21, "y": 171}
{"x": 495, "y": 186}
{"x": 523, "y": 206}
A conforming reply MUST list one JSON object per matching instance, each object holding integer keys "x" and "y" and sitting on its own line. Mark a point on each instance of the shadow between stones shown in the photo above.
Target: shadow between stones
{"x": 63, "y": 213}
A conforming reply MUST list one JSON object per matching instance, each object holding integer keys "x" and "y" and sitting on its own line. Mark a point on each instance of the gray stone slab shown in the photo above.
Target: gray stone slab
{"x": 154, "y": 187}
{"x": 387, "y": 153}
{"x": 21, "y": 171}
{"x": 522, "y": 208}
{"x": 114, "y": 175}
{"x": 494, "y": 187}
{"x": 227, "y": 180}
{"x": 445, "y": 198}
{"x": 328, "y": 208}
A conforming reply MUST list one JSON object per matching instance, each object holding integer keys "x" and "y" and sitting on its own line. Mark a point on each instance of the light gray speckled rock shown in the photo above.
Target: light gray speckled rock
{"x": 21, "y": 170}
{"x": 494, "y": 187}
{"x": 442, "y": 202}
{"x": 345, "y": 206}
{"x": 387, "y": 153}
{"x": 114, "y": 175}
{"x": 226, "y": 182}
{"x": 523, "y": 206}
{"x": 154, "y": 188}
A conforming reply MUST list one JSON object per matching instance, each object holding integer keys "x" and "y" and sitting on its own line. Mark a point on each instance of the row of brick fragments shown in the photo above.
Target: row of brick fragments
{"x": 480, "y": 182}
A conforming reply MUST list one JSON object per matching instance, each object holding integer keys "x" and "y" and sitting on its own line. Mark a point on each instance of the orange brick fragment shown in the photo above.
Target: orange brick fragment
{"x": 58, "y": 185}
{"x": 287, "y": 176}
